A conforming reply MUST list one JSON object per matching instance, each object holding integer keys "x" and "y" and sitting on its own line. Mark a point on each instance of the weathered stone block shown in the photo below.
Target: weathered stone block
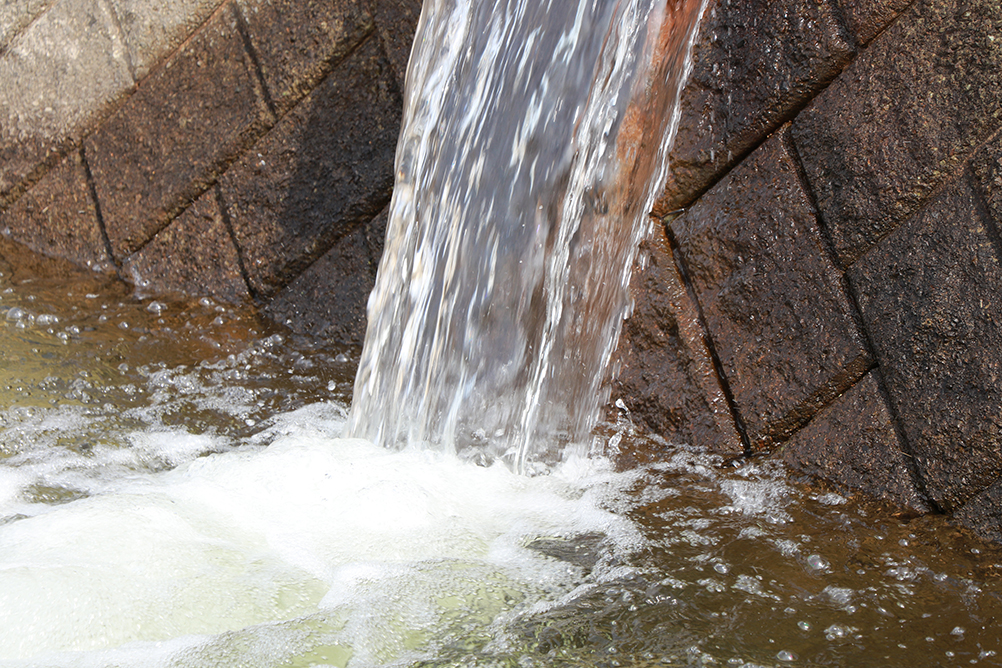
{"x": 983, "y": 513}
{"x": 902, "y": 118}
{"x": 931, "y": 298}
{"x": 755, "y": 64}
{"x": 667, "y": 377}
{"x": 15, "y": 15}
{"x": 328, "y": 299}
{"x": 987, "y": 168}
{"x": 194, "y": 255}
{"x": 176, "y": 133}
{"x": 326, "y": 167}
{"x": 153, "y": 28}
{"x": 298, "y": 41}
{"x": 867, "y": 18}
{"x": 57, "y": 217}
{"x": 396, "y": 21}
{"x": 59, "y": 78}
{"x": 774, "y": 304}
{"x": 852, "y": 442}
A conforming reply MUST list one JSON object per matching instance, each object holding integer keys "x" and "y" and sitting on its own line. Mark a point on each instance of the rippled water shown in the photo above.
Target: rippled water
{"x": 174, "y": 491}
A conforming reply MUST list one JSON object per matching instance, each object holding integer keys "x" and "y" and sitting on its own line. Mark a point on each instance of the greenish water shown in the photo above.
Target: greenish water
{"x": 175, "y": 491}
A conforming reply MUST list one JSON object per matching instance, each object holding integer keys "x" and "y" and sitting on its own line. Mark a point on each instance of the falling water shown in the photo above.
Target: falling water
{"x": 534, "y": 141}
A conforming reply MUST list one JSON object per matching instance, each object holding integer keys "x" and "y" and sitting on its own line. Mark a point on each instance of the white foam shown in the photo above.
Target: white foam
{"x": 306, "y": 527}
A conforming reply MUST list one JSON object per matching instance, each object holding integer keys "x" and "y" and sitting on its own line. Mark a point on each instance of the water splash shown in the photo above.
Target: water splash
{"x": 533, "y": 146}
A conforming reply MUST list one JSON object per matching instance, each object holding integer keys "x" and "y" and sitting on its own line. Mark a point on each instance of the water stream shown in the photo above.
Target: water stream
{"x": 176, "y": 489}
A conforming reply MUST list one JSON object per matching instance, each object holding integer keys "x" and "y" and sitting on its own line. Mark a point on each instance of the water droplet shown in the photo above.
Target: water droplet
{"x": 804, "y": 626}
{"x": 786, "y": 655}
{"x": 817, "y": 562}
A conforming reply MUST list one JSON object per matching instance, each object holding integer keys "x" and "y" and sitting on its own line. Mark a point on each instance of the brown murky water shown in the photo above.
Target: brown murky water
{"x": 101, "y": 389}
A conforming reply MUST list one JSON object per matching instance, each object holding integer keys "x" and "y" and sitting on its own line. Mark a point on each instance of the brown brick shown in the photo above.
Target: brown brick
{"x": 328, "y": 299}
{"x": 667, "y": 377}
{"x": 866, "y": 18}
{"x": 326, "y": 167}
{"x": 755, "y": 64}
{"x": 852, "y": 442}
{"x": 297, "y": 42}
{"x": 57, "y": 217}
{"x": 774, "y": 303}
{"x": 983, "y": 513}
{"x": 902, "y": 118}
{"x": 194, "y": 255}
{"x": 987, "y": 168}
{"x": 176, "y": 133}
{"x": 396, "y": 21}
{"x": 931, "y": 298}
{"x": 58, "y": 79}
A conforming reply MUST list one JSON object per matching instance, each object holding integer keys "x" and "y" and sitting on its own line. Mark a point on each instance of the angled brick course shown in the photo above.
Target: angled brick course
{"x": 193, "y": 255}
{"x": 58, "y": 217}
{"x": 853, "y": 442}
{"x": 327, "y": 167}
{"x": 756, "y": 63}
{"x": 176, "y": 134}
{"x": 931, "y": 297}
{"x": 774, "y": 304}
{"x": 296, "y": 42}
{"x": 63, "y": 74}
{"x": 902, "y": 118}
{"x": 667, "y": 377}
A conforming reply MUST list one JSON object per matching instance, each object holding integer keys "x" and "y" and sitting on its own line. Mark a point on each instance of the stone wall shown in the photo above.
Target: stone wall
{"x": 237, "y": 149}
{"x": 824, "y": 283}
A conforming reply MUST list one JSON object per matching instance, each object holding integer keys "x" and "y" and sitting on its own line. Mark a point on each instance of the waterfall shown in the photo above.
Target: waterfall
{"x": 534, "y": 143}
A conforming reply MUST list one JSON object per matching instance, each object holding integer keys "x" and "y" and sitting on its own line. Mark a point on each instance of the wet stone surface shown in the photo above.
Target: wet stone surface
{"x": 755, "y": 64}
{"x": 773, "y": 302}
{"x": 902, "y": 118}
{"x": 867, "y": 18}
{"x": 327, "y": 301}
{"x": 297, "y": 42}
{"x": 326, "y": 168}
{"x": 667, "y": 378}
{"x": 852, "y": 442}
{"x": 176, "y": 133}
{"x": 930, "y": 296}
{"x": 57, "y": 217}
{"x": 193, "y": 255}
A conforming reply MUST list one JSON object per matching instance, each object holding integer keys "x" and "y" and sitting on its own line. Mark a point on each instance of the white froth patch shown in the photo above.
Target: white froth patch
{"x": 308, "y": 525}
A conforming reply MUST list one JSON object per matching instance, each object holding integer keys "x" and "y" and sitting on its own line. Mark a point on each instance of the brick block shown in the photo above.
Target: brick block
{"x": 57, "y": 217}
{"x": 328, "y": 300}
{"x": 983, "y": 513}
{"x": 60, "y": 77}
{"x": 396, "y": 21}
{"x": 667, "y": 377}
{"x": 867, "y": 18}
{"x": 902, "y": 118}
{"x": 755, "y": 64}
{"x": 774, "y": 304}
{"x": 194, "y": 255}
{"x": 987, "y": 168}
{"x": 297, "y": 42}
{"x": 326, "y": 167}
{"x": 15, "y": 15}
{"x": 931, "y": 298}
{"x": 852, "y": 442}
{"x": 153, "y": 28}
{"x": 168, "y": 143}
